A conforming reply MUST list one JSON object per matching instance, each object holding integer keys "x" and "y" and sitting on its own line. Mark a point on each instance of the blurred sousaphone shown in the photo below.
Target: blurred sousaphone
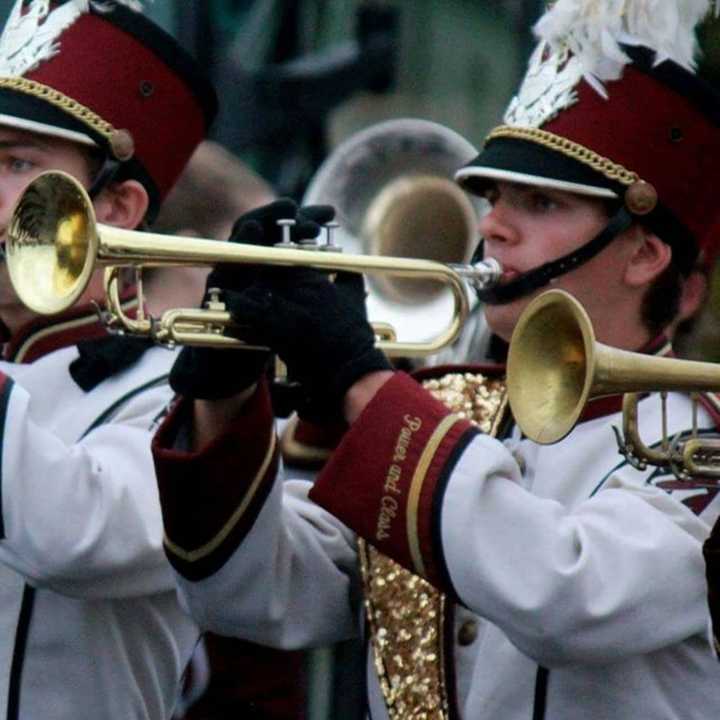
{"x": 393, "y": 189}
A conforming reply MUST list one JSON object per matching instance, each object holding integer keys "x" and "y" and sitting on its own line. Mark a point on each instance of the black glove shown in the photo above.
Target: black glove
{"x": 214, "y": 373}
{"x": 318, "y": 328}
{"x": 260, "y": 227}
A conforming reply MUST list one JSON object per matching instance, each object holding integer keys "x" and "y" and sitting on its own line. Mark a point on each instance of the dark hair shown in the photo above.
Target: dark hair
{"x": 661, "y": 303}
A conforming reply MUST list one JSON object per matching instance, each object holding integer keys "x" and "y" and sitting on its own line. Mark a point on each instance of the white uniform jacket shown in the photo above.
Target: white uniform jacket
{"x": 578, "y": 581}
{"x": 90, "y": 625}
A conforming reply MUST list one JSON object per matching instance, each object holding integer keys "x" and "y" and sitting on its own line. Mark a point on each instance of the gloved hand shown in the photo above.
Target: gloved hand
{"x": 259, "y": 227}
{"x": 213, "y": 373}
{"x": 318, "y": 328}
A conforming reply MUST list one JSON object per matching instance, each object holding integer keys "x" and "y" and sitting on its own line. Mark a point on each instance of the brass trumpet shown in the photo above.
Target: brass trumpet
{"x": 54, "y": 245}
{"x": 555, "y": 366}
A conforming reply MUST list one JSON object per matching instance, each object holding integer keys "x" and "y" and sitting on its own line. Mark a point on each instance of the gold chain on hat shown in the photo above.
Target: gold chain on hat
{"x": 588, "y": 157}
{"x": 61, "y": 101}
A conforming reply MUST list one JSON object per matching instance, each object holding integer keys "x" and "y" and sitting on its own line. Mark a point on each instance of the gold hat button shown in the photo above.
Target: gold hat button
{"x": 641, "y": 198}
{"x": 122, "y": 144}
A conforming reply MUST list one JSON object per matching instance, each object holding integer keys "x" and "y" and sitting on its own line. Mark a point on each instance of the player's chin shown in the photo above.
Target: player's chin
{"x": 502, "y": 318}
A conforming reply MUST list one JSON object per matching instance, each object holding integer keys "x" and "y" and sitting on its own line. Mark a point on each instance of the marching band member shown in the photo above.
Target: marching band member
{"x": 497, "y": 577}
{"x": 90, "y": 624}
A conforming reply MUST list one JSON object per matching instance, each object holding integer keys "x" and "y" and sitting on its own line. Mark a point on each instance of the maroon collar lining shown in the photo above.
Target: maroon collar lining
{"x": 47, "y": 334}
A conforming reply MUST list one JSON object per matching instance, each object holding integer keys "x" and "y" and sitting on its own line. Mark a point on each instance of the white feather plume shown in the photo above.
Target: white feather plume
{"x": 34, "y": 36}
{"x": 594, "y": 29}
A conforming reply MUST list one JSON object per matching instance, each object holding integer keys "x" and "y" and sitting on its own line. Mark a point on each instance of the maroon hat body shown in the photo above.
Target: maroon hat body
{"x": 104, "y": 74}
{"x": 650, "y": 137}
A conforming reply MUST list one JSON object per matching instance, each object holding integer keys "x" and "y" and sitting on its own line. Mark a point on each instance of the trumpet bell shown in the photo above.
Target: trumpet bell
{"x": 51, "y": 244}
{"x": 551, "y": 366}
{"x": 392, "y": 187}
{"x": 555, "y": 366}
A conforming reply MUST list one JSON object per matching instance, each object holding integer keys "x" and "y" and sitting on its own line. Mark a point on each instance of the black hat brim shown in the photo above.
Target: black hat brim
{"x": 529, "y": 163}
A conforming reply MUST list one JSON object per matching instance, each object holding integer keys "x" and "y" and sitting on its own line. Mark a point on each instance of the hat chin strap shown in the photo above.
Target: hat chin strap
{"x": 104, "y": 177}
{"x": 534, "y": 279}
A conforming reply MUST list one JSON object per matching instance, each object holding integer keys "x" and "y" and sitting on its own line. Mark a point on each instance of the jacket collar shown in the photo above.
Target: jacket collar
{"x": 47, "y": 334}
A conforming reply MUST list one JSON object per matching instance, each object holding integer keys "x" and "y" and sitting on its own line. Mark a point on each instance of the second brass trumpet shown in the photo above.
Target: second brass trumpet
{"x": 55, "y": 244}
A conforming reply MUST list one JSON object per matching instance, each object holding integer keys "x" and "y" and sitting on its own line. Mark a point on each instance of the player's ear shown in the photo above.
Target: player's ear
{"x": 122, "y": 204}
{"x": 648, "y": 259}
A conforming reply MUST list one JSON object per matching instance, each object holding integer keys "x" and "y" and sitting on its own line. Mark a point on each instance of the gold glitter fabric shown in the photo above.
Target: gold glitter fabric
{"x": 472, "y": 396}
{"x": 405, "y": 613}
{"x": 405, "y": 621}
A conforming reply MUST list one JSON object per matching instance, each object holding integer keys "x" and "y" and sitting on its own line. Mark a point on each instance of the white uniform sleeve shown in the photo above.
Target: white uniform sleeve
{"x": 293, "y": 581}
{"x": 82, "y": 518}
{"x": 620, "y": 573}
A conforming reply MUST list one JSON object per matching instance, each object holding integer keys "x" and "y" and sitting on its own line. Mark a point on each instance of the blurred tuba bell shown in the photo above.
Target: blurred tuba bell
{"x": 391, "y": 185}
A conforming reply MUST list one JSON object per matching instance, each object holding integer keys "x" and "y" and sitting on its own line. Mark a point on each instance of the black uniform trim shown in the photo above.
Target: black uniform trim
{"x": 28, "y": 602}
{"x": 101, "y": 358}
{"x": 108, "y": 414}
{"x": 449, "y": 662}
{"x": 197, "y": 570}
{"x": 21, "y": 641}
{"x": 442, "y": 569}
{"x": 4, "y": 400}
{"x": 541, "y": 688}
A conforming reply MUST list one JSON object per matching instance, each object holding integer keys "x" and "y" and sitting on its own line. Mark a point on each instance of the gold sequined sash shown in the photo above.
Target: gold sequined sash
{"x": 405, "y": 614}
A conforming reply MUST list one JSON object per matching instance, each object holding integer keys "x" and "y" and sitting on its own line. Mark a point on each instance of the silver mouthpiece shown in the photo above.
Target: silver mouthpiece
{"x": 482, "y": 274}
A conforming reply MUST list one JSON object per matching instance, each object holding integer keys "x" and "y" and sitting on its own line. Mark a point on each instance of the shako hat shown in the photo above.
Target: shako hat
{"x": 99, "y": 72}
{"x": 611, "y": 107}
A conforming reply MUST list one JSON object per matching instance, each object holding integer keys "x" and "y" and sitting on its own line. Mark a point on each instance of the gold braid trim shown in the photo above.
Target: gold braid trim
{"x": 59, "y": 100}
{"x": 588, "y": 157}
{"x": 406, "y": 614}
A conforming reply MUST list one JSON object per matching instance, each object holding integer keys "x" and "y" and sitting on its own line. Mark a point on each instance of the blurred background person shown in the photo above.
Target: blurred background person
{"x": 213, "y": 191}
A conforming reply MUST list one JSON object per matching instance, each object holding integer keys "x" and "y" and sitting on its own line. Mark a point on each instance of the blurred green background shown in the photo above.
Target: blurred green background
{"x": 297, "y": 76}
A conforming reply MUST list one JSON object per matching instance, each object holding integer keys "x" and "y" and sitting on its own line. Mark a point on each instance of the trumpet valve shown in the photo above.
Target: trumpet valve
{"x": 286, "y": 224}
{"x": 330, "y": 244}
{"x": 213, "y": 301}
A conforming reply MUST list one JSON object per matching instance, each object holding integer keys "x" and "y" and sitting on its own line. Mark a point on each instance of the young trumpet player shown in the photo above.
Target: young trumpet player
{"x": 90, "y": 624}
{"x": 490, "y": 576}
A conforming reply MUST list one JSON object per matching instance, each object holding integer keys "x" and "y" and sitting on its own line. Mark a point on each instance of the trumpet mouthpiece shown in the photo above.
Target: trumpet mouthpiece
{"x": 481, "y": 275}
